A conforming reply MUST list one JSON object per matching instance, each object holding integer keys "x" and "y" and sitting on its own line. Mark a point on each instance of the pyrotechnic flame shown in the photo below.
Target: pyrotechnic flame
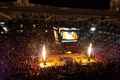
{"x": 44, "y": 53}
{"x": 89, "y": 50}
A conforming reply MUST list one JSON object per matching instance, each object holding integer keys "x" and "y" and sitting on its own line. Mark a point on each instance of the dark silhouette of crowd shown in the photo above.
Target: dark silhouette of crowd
{"x": 94, "y": 71}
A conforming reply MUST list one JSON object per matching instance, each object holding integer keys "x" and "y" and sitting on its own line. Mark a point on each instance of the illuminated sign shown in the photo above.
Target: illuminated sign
{"x": 69, "y": 36}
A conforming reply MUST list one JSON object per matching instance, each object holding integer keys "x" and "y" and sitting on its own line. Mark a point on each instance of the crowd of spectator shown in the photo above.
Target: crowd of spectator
{"x": 21, "y": 42}
{"x": 92, "y": 71}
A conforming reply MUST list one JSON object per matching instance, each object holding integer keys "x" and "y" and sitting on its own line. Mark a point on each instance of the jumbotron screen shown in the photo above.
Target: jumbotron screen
{"x": 69, "y": 36}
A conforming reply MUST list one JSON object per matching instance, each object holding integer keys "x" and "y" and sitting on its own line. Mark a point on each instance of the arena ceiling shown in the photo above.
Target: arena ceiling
{"x": 63, "y": 10}
{"x": 84, "y": 4}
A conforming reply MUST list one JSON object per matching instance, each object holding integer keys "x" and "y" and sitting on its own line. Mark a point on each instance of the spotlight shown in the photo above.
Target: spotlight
{"x": 93, "y": 29}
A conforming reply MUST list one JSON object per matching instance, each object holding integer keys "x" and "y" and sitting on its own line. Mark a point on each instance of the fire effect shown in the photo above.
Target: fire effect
{"x": 60, "y": 60}
{"x": 49, "y": 61}
{"x": 89, "y": 51}
{"x": 44, "y": 54}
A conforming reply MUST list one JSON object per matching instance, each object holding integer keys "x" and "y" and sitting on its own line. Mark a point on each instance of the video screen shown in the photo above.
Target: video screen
{"x": 69, "y": 36}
